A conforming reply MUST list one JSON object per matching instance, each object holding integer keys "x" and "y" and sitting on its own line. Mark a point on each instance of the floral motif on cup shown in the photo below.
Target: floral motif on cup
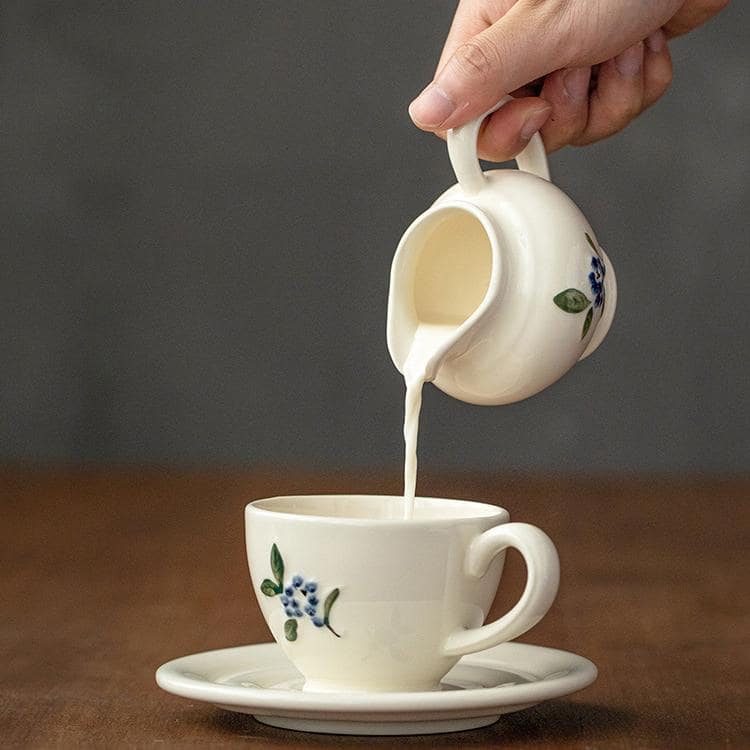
{"x": 575, "y": 301}
{"x": 298, "y": 598}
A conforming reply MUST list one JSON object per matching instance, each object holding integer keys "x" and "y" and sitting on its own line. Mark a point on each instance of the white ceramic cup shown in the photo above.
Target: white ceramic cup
{"x": 361, "y": 599}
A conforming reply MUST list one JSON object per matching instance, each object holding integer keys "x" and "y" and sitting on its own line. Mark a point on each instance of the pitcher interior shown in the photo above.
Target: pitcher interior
{"x": 453, "y": 271}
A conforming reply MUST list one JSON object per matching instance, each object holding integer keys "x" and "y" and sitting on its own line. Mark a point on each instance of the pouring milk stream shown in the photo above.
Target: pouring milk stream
{"x": 496, "y": 291}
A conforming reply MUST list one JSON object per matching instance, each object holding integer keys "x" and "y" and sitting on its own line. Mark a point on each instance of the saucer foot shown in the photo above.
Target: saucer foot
{"x": 382, "y": 728}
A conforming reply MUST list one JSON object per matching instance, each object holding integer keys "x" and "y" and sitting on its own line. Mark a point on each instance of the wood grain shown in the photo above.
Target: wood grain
{"x": 105, "y": 575}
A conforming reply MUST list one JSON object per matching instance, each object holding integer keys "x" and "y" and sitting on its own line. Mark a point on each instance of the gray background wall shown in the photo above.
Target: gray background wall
{"x": 200, "y": 201}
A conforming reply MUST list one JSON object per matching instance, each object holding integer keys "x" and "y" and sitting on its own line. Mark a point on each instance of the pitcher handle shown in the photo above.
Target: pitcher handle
{"x": 542, "y": 580}
{"x": 462, "y": 150}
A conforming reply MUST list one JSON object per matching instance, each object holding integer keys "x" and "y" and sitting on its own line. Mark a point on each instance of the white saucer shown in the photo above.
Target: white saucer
{"x": 260, "y": 680}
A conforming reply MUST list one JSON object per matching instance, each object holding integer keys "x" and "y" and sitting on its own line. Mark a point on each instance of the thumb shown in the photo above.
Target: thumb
{"x": 518, "y": 48}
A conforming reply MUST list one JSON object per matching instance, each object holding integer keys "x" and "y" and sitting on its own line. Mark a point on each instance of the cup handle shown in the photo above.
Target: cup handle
{"x": 542, "y": 579}
{"x": 462, "y": 150}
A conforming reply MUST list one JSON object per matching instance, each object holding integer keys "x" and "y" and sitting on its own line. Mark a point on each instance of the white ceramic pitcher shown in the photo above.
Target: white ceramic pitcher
{"x": 507, "y": 265}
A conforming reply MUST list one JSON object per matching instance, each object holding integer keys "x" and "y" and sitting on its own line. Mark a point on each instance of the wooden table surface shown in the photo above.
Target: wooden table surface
{"x": 107, "y": 574}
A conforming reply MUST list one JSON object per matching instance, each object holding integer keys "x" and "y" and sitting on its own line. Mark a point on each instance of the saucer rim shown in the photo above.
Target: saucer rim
{"x": 546, "y": 665}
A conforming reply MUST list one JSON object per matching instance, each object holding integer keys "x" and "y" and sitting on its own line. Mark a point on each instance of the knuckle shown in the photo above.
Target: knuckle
{"x": 616, "y": 116}
{"x": 561, "y": 27}
{"x": 624, "y": 116}
{"x": 630, "y": 111}
{"x": 709, "y": 8}
{"x": 554, "y": 142}
{"x": 693, "y": 15}
{"x": 496, "y": 148}
{"x": 583, "y": 139}
{"x": 612, "y": 117}
{"x": 625, "y": 109}
{"x": 557, "y": 134}
{"x": 657, "y": 83}
{"x": 663, "y": 77}
{"x": 675, "y": 27}
{"x": 477, "y": 58}
{"x": 578, "y": 132}
{"x": 549, "y": 7}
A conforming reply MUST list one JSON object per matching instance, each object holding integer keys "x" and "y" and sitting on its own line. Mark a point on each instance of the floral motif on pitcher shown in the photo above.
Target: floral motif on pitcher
{"x": 575, "y": 301}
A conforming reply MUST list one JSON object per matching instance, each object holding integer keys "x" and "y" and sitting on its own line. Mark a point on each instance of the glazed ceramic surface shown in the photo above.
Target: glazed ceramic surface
{"x": 511, "y": 266}
{"x": 362, "y": 600}
{"x": 260, "y": 680}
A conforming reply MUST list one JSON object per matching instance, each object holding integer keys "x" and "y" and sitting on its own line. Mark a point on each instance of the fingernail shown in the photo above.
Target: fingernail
{"x": 576, "y": 83}
{"x": 432, "y": 107}
{"x": 656, "y": 41}
{"x": 629, "y": 62}
{"x": 534, "y": 121}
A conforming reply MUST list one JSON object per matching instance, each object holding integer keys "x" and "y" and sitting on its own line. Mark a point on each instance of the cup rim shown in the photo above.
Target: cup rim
{"x": 489, "y": 512}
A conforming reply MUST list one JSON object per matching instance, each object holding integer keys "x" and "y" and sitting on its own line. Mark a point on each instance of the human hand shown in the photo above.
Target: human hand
{"x": 543, "y": 52}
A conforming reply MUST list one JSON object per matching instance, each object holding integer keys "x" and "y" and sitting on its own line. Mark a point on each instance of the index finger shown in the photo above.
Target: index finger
{"x": 472, "y": 18}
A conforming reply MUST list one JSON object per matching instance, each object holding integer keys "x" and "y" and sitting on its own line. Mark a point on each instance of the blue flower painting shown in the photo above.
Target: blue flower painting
{"x": 596, "y": 281}
{"x": 298, "y": 597}
{"x": 575, "y": 301}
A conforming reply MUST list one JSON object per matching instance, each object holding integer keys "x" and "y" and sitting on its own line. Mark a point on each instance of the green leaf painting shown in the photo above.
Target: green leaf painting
{"x": 269, "y": 588}
{"x": 290, "y": 630}
{"x": 587, "y": 322}
{"x": 574, "y": 301}
{"x": 277, "y": 565}
{"x": 298, "y": 598}
{"x": 330, "y": 599}
{"x": 591, "y": 242}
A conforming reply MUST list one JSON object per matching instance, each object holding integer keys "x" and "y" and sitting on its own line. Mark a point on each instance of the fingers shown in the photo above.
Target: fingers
{"x": 505, "y": 133}
{"x": 508, "y": 130}
{"x": 574, "y": 106}
{"x": 657, "y": 68}
{"x": 625, "y": 87}
{"x": 467, "y": 22}
{"x": 618, "y": 96}
{"x": 520, "y": 41}
{"x": 568, "y": 93}
{"x": 501, "y": 58}
{"x": 568, "y": 114}
{"x": 692, "y": 14}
